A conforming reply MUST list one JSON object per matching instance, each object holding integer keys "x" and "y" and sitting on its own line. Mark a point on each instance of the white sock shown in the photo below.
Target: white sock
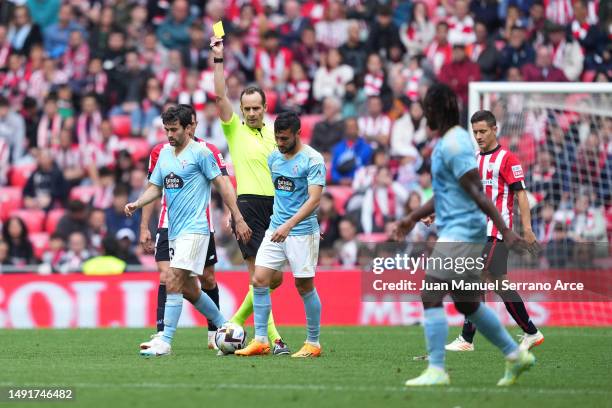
{"x": 262, "y": 339}
{"x": 513, "y": 355}
{"x": 316, "y": 344}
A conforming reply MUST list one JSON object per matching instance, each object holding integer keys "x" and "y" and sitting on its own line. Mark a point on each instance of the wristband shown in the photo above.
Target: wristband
{"x": 217, "y": 60}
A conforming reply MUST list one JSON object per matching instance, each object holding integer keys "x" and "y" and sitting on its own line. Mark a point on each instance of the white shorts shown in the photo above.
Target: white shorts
{"x": 188, "y": 251}
{"x": 302, "y": 252}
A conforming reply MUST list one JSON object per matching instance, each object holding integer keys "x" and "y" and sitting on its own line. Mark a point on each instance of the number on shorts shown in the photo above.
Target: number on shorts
{"x": 171, "y": 251}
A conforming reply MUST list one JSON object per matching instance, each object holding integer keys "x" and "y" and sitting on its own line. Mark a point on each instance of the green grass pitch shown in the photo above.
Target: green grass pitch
{"x": 361, "y": 367}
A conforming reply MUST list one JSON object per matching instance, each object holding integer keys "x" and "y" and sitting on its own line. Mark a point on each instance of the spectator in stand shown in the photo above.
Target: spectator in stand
{"x": 332, "y": 76}
{"x": 153, "y": 55}
{"x": 513, "y": 18}
{"x": 417, "y": 32}
{"x": 458, "y": 75}
{"x": 136, "y": 28}
{"x": 543, "y": 69}
{"x": 297, "y": 96}
{"x": 52, "y": 256}
{"x": 439, "y": 51}
{"x": 20, "y": 250}
{"x": 461, "y": 25}
{"x": 354, "y": 101}
{"x": 44, "y": 12}
{"x": 173, "y": 77}
{"x": 545, "y": 180}
{"x": 77, "y": 253}
{"x": 332, "y": 31}
{"x": 104, "y": 184}
{"x": 420, "y": 231}
{"x": 138, "y": 183}
{"x": 375, "y": 125}
{"x": 347, "y": 247}
{"x": 517, "y": 52}
{"x": 328, "y": 132}
{"x": 308, "y": 51}
{"x": 242, "y": 56}
{"x": 5, "y": 163}
{"x": 69, "y": 158}
{"x": 353, "y": 51}
{"x": 409, "y": 131}
{"x": 584, "y": 30}
{"x": 75, "y": 219}
{"x": 123, "y": 167}
{"x": 384, "y": 34}
{"x": 5, "y": 46}
{"x": 486, "y": 11}
{"x": 536, "y": 23}
{"x": 366, "y": 175}
{"x": 375, "y": 81}
{"x": 349, "y": 154}
{"x": 209, "y": 127}
{"x": 125, "y": 242}
{"x": 56, "y": 36}
{"x": 291, "y": 29}
{"x": 484, "y": 53}
{"x": 13, "y": 82}
{"x": 328, "y": 221}
{"x": 545, "y": 223}
{"x": 46, "y": 186}
{"x": 173, "y": 32}
{"x": 12, "y": 131}
{"x": 96, "y": 228}
{"x": 88, "y": 122}
{"x": 22, "y": 32}
{"x": 101, "y": 29}
{"x": 559, "y": 250}
{"x": 589, "y": 222}
{"x": 251, "y": 25}
{"x": 272, "y": 63}
{"x": 115, "y": 216}
{"x": 195, "y": 55}
{"x": 76, "y": 57}
{"x": 5, "y": 258}
{"x": 383, "y": 202}
{"x": 425, "y": 188}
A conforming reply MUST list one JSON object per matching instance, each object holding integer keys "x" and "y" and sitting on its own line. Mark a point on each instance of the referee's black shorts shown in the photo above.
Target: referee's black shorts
{"x": 496, "y": 257}
{"x": 162, "y": 248}
{"x": 256, "y": 211}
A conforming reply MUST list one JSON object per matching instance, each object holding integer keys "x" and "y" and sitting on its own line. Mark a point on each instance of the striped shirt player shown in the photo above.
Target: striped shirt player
{"x": 161, "y": 241}
{"x": 502, "y": 175}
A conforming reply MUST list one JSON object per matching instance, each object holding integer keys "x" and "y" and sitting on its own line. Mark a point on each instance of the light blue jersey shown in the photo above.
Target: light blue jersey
{"x": 291, "y": 179}
{"x": 186, "y": 182}
{"x": 457, "y": 215}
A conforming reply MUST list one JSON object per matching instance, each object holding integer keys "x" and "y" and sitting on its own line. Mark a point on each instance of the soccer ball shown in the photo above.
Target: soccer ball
{"x": 230, "y": 337}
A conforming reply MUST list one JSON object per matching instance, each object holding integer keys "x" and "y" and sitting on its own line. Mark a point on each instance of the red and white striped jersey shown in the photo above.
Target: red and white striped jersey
{"x": 501, "y": 175}
{"x": 163, "y": 216}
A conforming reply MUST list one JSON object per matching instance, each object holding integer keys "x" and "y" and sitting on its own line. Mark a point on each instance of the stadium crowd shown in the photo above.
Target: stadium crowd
{"x": 83, "y": 84}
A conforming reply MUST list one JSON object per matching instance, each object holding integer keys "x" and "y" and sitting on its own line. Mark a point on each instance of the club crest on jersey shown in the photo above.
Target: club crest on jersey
{"x": 173, "y": 182}
{"x": 295, "y": 170}
{"x": 183, "y": 163}
{"x": 517, "y": 171}
{"x": 284, "y": 186}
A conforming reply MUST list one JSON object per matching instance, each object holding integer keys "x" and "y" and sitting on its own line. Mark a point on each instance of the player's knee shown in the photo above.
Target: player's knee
{"x": 208, "y": 280}
{"x": 304, "y": 285}
{"x": 163, "y": 272}
{"x": 277, "y": 280}
{"x": 467, "y": 308}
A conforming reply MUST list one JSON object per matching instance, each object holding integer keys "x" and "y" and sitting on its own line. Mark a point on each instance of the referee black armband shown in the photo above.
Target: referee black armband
{"x": 518, "y": 186}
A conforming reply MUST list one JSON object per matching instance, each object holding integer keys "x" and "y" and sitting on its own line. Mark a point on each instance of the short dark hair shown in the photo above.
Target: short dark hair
{"x": 287, "y": 120}
{"x": 249, "y": 90}
{"x": 484, "y": 115}
{"x": 176, "y": 114}
{"x": 188, "y": 108}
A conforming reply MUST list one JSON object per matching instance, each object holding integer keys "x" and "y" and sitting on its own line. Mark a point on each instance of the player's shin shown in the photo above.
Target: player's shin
{"x": 312, "y": 306}
{"x": 207, "y": 307}
{"x": 261, "y": 308}
{"x": 161, "y": 306}
{"x": 172, "y": 313}
{"x": 489, "y": 325}
{"x": 436, "y": 332}
{"x": 245, "y": 309}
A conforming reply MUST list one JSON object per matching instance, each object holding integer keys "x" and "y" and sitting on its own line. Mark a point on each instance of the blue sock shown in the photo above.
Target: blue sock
{"x": 489, "y": 325}
{"x": 312, "y": 304}
{"x": 436, "y": 332}
{"x": 207, "y": 307}
{"x": 172, "y": 313}
{"x": 261, "y": 310}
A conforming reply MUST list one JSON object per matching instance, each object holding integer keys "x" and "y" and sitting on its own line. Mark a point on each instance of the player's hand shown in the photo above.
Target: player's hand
{"x": 533, "y": 246}
{"x": 145, "y": 241}
{"x": 403, "y": 227}
{"x": 281, "y": 233}
{"x": 216, "y": 47}
{"x": 514, "y": 241}
{"x": 130, "y": 208}
{"x": 429, "y": 220}
{"x": 243, "y": 232}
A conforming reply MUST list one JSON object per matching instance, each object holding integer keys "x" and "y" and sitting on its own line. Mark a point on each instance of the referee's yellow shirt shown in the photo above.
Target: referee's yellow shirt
{"x": 249, "y": 149}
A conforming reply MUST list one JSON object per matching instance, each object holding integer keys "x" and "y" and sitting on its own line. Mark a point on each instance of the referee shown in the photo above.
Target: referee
{"x": 250, "y": 142}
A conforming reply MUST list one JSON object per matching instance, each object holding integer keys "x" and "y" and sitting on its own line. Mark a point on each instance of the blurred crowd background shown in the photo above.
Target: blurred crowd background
{"x": 83, "y": 83}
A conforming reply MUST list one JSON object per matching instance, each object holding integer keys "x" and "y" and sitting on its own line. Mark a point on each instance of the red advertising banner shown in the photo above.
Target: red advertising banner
{"x": 129, "y": 300}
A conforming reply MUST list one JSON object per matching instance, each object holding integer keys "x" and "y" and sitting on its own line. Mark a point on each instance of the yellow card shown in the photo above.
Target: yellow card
{"x": 218, "y": 29}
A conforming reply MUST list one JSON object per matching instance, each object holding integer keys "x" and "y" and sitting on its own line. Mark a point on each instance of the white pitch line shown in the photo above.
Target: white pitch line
{"x": 314, "y": 387}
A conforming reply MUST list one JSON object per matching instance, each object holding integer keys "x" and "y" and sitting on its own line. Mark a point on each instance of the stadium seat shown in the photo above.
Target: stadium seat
{"x": 122, "y": 125}
{"x": 19, "y": 174}
{"x": 138, "y": 148}
{"x": 341, "y": 195}
{"x": 10, "y": 200}
{"x": 33, "y": 219}
{"x": 53, "y": 218}
{"x": 40, "y": 242}
{"x": 82, "y": 193}
{"x": 308, "y": 123}
{"x": 375, "y": 237}
{"x": 271, "y": 101}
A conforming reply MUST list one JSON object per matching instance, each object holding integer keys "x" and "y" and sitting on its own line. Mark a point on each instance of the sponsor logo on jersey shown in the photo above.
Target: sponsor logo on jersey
{"x": 517, "y": 171}
{"x": 284, "y": 185}
{"x": 173, "y": 182}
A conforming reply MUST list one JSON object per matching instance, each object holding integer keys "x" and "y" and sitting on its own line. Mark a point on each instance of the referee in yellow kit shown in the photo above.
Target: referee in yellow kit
{"x": 250, "y": 142}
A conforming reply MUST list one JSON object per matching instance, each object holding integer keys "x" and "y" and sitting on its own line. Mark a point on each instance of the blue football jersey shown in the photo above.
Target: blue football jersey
{"x": 291, "y": 179}
{"x": 458, "y": 217}
{"x": 186, "y": 182}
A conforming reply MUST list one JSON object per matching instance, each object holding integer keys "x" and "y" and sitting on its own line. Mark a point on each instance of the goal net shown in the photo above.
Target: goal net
{"x": 562, "y": 135}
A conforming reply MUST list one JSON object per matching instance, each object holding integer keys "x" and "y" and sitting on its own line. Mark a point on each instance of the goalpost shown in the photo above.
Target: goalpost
{"x": 562, "y": 135}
